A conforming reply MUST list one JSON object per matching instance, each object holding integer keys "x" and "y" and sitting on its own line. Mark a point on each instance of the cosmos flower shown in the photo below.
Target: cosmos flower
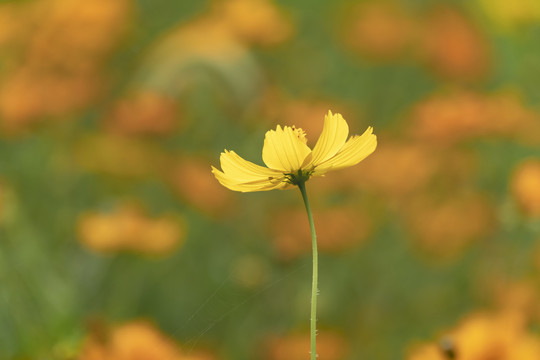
{"x": 289, "y": 159}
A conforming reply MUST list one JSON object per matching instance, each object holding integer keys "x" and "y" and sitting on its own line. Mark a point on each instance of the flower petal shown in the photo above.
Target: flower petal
{"x": 284, "y": 150}
{"x": 333, "y": 137}
{"x": 242, "y": 175}
{"x": 242, "y": 170}
{"x": 356, "y": 149}
{"x": 259, "y": 185}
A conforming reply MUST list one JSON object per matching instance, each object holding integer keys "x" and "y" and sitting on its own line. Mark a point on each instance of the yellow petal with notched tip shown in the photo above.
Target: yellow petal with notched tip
{"x": 333, "y": 137}
{"x": 241, "y": 175}
{"x": 263, "y": 184}
{"x": 285, "y": 149}
{"x": 241, "y": 170}
{"x": 355, "y": 150}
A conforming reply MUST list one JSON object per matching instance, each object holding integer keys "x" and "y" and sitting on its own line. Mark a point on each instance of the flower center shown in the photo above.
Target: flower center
{"x": 298, "y": 177}
{"x": 300, "y": 134}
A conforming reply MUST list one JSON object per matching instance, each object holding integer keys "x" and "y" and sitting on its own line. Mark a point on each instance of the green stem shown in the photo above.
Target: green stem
{"x": 315, "y": 278}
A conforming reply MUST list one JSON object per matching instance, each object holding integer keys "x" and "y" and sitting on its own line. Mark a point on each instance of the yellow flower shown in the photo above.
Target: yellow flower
{"x": 289, "y": 159}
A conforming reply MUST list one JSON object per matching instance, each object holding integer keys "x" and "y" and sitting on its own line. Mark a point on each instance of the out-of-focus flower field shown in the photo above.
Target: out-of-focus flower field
{"x": 117, "y": 243}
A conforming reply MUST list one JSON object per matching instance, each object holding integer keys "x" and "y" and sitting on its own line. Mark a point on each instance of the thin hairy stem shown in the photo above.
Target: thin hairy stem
{"x": 315, "y": 278}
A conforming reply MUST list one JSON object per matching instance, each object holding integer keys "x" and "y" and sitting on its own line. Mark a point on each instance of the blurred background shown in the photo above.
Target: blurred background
{"x": 116, "y": 242}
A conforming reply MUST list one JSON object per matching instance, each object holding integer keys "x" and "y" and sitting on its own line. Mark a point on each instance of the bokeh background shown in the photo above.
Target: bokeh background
{"x": 116, "y": 242}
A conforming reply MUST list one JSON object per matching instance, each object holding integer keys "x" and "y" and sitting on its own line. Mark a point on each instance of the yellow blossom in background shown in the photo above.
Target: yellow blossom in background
{"x": 446, "y": 226}
{"x": 55, "y": 62}
{"x": 254, "y": 21}
{"x": 10, "y": 28}
{"x": 444, "y": 39}
{"x": 117, "y": 155}
{"x": 143, "y": 113}
{"x": 427, "y": 352}
{"x": 380, "y": 29}
{"x": 137, "y": 340}
{"x": 454, "y": 46}
{"x": 128, "y": 229}
{"x": 444, "y": 119}
{"x": 398, "y": 170}
{"x": 525, "y": 187}
{"x": 516, "y": 296}
{"x": 291, "y": 161}
{"x": 511, "y": 14}
{"x": 484, "y": 336}
{"x": 191, "y": 180}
